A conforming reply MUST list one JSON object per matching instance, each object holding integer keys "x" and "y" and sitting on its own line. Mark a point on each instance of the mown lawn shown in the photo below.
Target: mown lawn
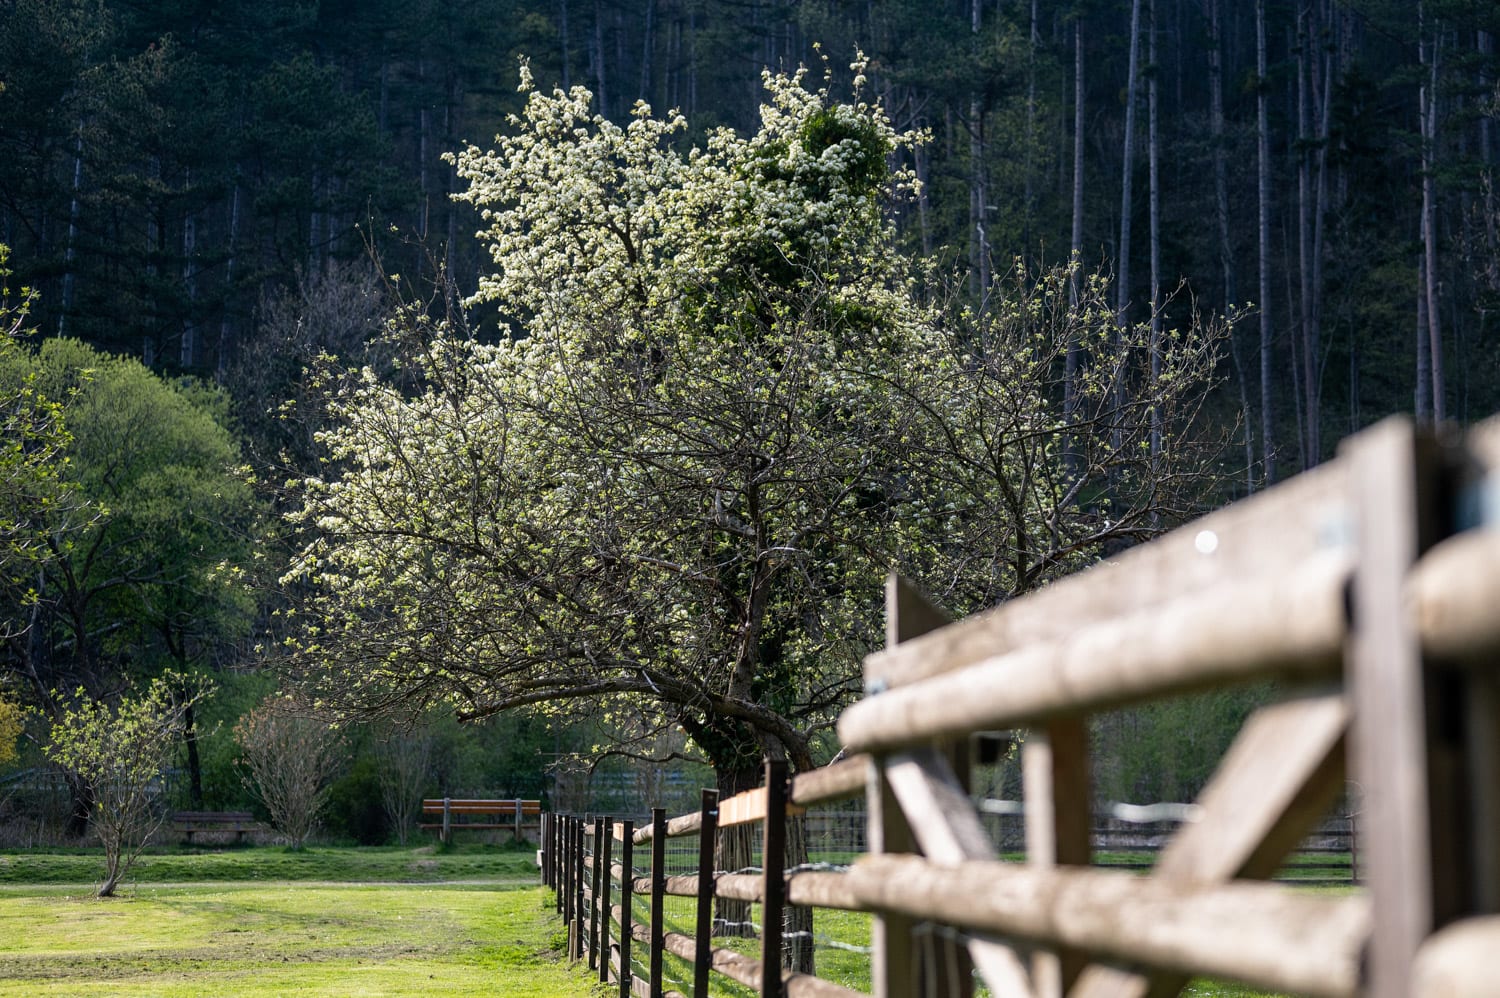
{"x": 493, "y": 934}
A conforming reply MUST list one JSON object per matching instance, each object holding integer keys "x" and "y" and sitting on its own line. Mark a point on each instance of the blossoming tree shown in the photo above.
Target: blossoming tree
{"x": 722, "y": 411}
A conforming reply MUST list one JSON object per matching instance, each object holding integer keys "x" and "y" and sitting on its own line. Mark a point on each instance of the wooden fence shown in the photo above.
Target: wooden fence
{"x": 1368, "y": 588}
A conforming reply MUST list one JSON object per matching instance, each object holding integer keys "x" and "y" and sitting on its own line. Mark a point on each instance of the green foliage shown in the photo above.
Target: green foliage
{"x": 145, "y": 560}
{"x": 118, "y": 751}
{"x": 33, "y": 460}
{"x": 1167, "y": 750}
{"x": 10, "y": 729}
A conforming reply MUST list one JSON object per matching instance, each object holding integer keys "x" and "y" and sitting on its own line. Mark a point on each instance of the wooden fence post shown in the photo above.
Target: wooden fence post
{"x": 580, "y": 918}
{"x": 446, "y": 820}
{"x": 603, "y": 847}
{"x": 627, "y": 901}
{"x": 704, "y": 936}
{"x": 542, "y": 842}
{"x": 658, "y": 895}
{"x": 1409, "y": 845}
{"x": 518, "y": 819}
{"x": 597, "y": 885}
{"x": 564, "y": 898}
{"x": 773, "y": 863}
{"x": 1055, "y": 779}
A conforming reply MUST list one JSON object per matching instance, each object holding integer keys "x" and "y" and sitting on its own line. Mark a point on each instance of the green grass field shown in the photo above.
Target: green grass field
{"x": 334, "y": 921}
{"x": 270, "y": 922}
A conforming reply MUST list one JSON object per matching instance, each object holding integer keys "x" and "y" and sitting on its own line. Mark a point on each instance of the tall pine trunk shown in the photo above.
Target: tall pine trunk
{"x": 1075, "y": 254}
{"x": 71, "y": 249}
{"x": 1122, "y": 265}
{"x": 979, "y": 251}
{"x": 1263, "y": 213}
{"x": 1429, "y": 53}
{"x": 1153, "y": 157}
{"x": 1221, "y": 213}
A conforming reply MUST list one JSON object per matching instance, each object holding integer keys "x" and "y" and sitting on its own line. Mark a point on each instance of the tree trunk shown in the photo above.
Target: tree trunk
{"x": 979, "y": 251}
{"x": 1323, "y": 91}
{"x": 1075, "y": 253}
{"x": 1429, "y": 54}
{"x": 1308, "y": 339}
{"x": 190, "y": 356}
{"x": 563, "y": 40}
{"x": 1221, "y": 212}
{"x": 1075, "y": 244}
{"x": 647, "y": 45}
{"x": 1263, "y": 211}
{"x": 1422, "y": 402}
{"x": 80, "y": 805}
{"x": 597, "y": 51}
{"x": 70, "y": 251}
{"x": 1153, "y": 158}
{"x": 1122, "y": 252}
{"x": 225, "y": 346}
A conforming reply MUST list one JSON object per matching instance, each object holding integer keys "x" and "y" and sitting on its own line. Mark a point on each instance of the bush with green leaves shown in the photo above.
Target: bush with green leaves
{"x": 118, "y": 751}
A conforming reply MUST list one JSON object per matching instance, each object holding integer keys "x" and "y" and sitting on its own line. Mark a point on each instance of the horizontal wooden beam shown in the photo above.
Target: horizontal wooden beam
{"x": 1266, "y": 534}
{"x": 839, "y": 781}
{"x": 1458, "y": 961}
{"x": 1262, "y": 934}
{"x": 748, "y": 971}
{"x": 1453, "y": 591}
{"x": 1291, "y": 626}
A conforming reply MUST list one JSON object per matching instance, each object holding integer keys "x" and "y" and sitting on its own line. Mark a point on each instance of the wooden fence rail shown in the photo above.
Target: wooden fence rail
{"x": 1369, "y": 588}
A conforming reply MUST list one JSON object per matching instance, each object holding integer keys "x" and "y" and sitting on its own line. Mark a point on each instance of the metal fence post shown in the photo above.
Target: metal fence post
{"x": 627, "y": 901}
{"x": 703, "y": 937}
{"x": 658, "y": 895}
{"x": 773, "y": 863}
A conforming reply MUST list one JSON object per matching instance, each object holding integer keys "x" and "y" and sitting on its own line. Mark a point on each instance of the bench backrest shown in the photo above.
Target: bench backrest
{"x": 528, "y": 808}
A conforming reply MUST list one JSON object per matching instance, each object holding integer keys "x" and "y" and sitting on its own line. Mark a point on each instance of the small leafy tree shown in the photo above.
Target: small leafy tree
{"x": 119, "y": 752}
{"x": 10, "y": 730}
{"x": 290, "y": 757}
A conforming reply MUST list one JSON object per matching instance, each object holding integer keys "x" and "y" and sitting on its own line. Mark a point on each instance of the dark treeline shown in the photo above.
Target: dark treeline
{"x": 169, "y": 169}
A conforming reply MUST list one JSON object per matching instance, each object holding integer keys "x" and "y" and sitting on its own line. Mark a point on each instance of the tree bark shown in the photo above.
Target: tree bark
{"x": 979, "y": 255}
{"x": 1263, "y": 212}
{"x": 71, "y": 249}
{"x": 1075, "y": 253}
{"x": 1429, "y": 53}
{"x": 1308, "y": 330}
{"x": 1422, "y": 401}
{"x": 1153, "y": 157}
{"x": 1122, "y": 276}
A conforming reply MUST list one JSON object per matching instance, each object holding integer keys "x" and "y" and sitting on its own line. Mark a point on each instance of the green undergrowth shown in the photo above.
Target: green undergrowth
{"x": 425, "y": 864}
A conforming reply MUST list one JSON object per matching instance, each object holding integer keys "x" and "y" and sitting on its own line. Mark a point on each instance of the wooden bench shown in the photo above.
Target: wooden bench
{"x": 238, "y": 822}
{"x": 516, "y": 815}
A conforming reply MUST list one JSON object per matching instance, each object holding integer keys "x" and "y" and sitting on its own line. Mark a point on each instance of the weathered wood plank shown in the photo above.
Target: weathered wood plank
{"x": 1453, "y": 593}
{"x": 1265, "y": 534}
{"x": 948, "y": 831}
{"x": 1282, "y": 940}
{"x": 1055, "y": 775}
{"x": 839, "y": 781}
{"x": 1275, "y": 782}
{"x": 748, "y": 971}
{"x": 1458, "y": 961}
{"x": 1387, "y": 692}
{"x": 1236, "y": 631}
